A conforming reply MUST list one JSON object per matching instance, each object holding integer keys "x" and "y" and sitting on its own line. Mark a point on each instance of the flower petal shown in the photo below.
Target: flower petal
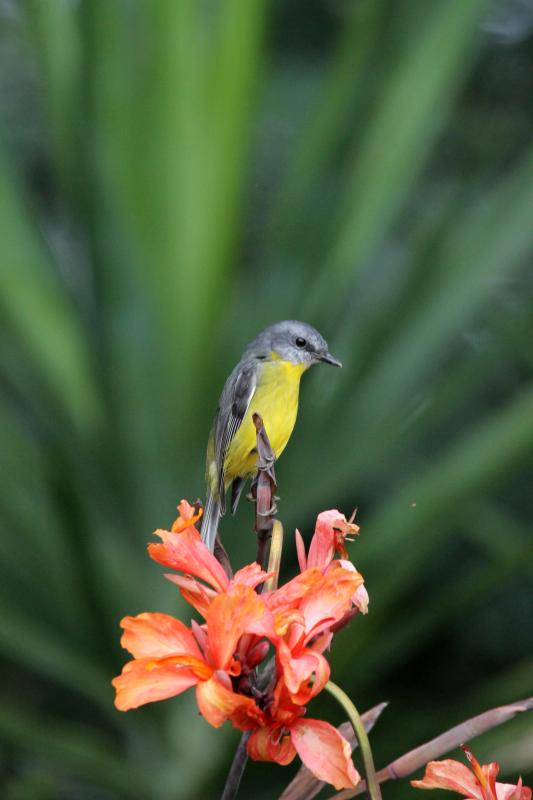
{"x": 230, "y": 615}
{"x": 324, "y": 752}
{"x": 452, "y": 775}
{"x": 331, "y": 530}
{"x": 251, "y": 575}
{"x": 146, "y": 680}
{"x": 186, "y": 518}
{"x": 322, "y": 547}
{"x": 266, "y": 744}
{"x": 289, "y": 620}
{"x": 195, "y": 593}
{"x": 360, "y": 598}
{"x": 157, "y": 635}
{"x": 508, "y": 791}
{"x": 187, "y": 553}
{"x": 282, "y": 709}
{"x": 298, "y": 672}
{"x": 217, "y": 703}
{"x": 288, "y": 595}
{"x": 321, "y": 643}
{"x": 300, "y": 550}
{"x": 329, "y": 597}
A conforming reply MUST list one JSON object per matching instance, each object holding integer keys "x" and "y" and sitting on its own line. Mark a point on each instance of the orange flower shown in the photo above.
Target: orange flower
{"x": 323, "y": 750}
{"x": 182, "y": 549}
{"x": 219, "y": 658}
{"x": 170, "y": 658}
{"x": 304, "y": 610}
{"x": 187, "y": 517}
{"x": 476, "y": 783}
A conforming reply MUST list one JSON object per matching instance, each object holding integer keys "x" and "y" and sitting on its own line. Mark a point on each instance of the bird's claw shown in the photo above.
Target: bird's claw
{"x": 270, "y": 512}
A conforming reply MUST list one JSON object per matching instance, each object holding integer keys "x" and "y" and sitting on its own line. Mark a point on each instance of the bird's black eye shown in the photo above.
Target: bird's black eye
{"x": 299, "y": 342}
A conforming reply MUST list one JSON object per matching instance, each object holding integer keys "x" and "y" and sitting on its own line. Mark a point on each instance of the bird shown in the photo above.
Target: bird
{"x": 266, "y": 381}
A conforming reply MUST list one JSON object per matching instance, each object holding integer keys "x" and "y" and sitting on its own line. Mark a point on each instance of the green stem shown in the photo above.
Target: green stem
{"x": 360, "y": 734}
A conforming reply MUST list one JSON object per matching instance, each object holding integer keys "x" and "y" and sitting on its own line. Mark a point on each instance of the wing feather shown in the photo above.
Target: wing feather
{"x": 234, "y": 403}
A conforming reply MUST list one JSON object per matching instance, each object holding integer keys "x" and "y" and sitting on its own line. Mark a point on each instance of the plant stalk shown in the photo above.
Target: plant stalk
{"x": 238, "y": 765}
{"x": 364, "y": 745}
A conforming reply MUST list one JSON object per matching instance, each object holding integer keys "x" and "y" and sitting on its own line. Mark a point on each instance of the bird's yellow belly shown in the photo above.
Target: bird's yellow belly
{"x": 276, "y": 400}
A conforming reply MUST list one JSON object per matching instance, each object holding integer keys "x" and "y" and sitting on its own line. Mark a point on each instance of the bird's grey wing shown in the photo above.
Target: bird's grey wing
{"x": 234, "y": 402}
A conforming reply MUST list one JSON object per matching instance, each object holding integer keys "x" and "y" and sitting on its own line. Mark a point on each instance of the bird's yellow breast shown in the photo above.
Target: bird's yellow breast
{"x": 276, "y": 400}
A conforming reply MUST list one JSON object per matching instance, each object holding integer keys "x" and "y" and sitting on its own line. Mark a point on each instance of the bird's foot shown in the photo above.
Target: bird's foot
{"x": 270, "y": 512}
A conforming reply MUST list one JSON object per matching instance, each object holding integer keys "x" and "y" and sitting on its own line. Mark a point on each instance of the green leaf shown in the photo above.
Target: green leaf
{"x": 38, "y": 307}
{"x": 417, "y": 99}
{"x": 73, "y": 751}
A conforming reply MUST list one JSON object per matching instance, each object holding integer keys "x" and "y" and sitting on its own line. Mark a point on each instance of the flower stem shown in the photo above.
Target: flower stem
{"x": 237, "y": 768}
{"x": 364, "y": 745}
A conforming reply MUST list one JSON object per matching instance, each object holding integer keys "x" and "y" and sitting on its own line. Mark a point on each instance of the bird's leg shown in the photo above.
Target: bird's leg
{"x": 263, "y": 491}
{"x": 252, "y": 497}
{"x": 270, "y": 511}
{"x": 265, "y": 466}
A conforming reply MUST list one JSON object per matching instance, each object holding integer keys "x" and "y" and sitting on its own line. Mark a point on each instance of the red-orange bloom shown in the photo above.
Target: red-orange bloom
{"x": 182, "y": 549}
{"x": 187, "y": 517}
{"x": 323, "y": 750}
{"x": 219, "y": 658}
{"x": 476, "y": 783}
{"x": 170, "y": 658}
{"x": 304, "y": 610}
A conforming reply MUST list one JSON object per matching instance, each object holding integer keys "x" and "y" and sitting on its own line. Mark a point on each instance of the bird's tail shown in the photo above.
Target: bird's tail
{"x": 210, "y": 520}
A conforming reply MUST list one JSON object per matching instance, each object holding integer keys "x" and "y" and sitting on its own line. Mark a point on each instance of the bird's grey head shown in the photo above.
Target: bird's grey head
{"x": 291, "y": 341}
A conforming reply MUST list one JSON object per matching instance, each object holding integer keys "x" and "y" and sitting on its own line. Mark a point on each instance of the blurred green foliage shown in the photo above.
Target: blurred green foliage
{"x": 175, "y": 175}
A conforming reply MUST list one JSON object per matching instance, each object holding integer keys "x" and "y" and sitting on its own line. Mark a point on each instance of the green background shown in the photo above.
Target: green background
{"x": 174, "y": 175}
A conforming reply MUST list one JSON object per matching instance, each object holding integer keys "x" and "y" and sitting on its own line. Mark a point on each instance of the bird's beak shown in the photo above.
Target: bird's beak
{"x": 327, "y": 358}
